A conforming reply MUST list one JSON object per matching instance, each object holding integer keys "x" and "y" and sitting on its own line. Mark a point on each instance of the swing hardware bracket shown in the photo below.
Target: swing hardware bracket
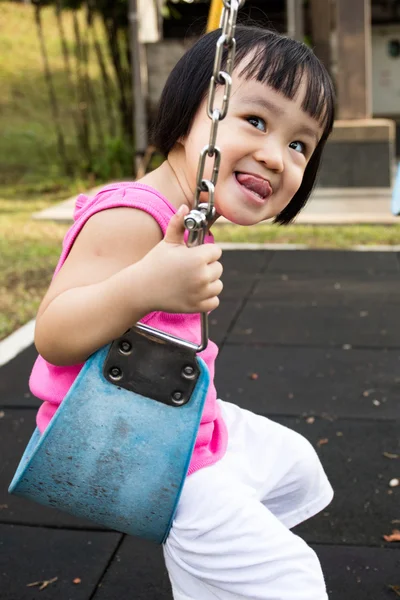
{"x": 155, "y": 368}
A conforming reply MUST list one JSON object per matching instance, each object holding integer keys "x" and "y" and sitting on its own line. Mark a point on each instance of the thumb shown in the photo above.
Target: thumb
{"x": 176, "y": 227}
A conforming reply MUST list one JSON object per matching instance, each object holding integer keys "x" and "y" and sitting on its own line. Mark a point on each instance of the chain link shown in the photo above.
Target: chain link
{"x": 198, "y": 219}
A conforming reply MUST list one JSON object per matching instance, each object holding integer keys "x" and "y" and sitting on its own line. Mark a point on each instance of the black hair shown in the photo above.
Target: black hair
{"x": 278, "y": 61}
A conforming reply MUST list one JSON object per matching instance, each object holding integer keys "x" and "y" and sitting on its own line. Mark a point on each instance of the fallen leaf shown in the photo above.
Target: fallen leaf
{"x": 391, "y": 455}
{"x": 310, "y": 420}
{"x": 322, "y": 442}
{"x": 328, "y": 417}
{"x": 393, "y": 537}
{"x": 42, "y": 584}
{"x": 77, "y": 580}
{"x": 254, "y": 376}
{"x": 395, "y": 589}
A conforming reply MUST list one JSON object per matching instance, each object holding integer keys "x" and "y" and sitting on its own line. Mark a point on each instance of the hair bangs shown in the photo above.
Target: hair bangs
{"x": 283, "y": 64}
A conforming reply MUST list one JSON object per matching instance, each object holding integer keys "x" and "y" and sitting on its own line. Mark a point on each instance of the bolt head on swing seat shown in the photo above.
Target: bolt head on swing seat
{"x": 112, "y": 455}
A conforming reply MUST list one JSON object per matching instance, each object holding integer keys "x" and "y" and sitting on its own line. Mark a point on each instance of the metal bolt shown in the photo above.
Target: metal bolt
{"x": 125, "y": 347}
{"x": 188, "y": 372}
{"x": 115, "y": 373}
{"x": 177, "y": 398}
{"x": 190, "y": 223}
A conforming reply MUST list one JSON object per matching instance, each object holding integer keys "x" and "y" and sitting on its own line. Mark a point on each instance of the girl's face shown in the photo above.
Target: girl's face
{"x": 266, "y": 141}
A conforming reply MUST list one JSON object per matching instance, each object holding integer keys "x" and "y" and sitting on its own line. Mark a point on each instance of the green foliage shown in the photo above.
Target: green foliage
{"x": 28, "y": 142}
{"x": 113, "y": 161}
{"x": 109, "y": 9}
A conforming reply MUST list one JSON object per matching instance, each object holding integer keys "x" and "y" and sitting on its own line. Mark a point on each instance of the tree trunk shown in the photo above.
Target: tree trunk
{"x": 91, "y": 96}
{"x": 82, "y": 97}
{"x": 51, "y": 91}
{"x": 67, "y": 67}
{"x": 124, "y": 105}
{"x": 108, "y": 88}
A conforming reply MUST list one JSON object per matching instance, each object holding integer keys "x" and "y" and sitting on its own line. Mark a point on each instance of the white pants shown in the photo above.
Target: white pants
{"x": 231, "y": 535}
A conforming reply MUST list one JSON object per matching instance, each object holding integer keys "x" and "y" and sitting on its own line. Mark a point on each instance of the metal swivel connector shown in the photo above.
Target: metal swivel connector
{"x": 195, "y": 220}
{"x": 196, "y": 224}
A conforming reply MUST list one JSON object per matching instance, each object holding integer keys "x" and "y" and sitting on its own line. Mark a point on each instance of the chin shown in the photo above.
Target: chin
{"x": 245, "y": 220}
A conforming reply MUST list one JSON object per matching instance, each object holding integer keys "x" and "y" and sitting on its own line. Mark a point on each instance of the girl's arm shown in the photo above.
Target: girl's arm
{"x": 96, "y": 296}
{"x": 118, "y": 270}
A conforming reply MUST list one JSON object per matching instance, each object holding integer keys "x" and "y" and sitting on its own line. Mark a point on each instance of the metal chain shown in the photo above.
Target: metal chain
{"x": 201, "y": 215}
{"x": 196, "y": 221}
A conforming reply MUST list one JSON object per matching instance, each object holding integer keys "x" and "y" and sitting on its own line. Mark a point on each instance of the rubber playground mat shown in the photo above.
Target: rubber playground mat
{"x": 308, "y": 338}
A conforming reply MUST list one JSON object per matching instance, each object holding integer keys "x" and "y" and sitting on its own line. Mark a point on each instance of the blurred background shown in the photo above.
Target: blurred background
{"x": 79, "y": 81}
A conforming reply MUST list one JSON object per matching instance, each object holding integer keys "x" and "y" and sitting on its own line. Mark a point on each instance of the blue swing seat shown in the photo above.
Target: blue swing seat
{"x": 113, "y": 456}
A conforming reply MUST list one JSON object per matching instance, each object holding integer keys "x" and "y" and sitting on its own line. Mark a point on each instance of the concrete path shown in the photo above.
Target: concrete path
{"x": 308, "y": 338}
{"x": 336, "y": 206}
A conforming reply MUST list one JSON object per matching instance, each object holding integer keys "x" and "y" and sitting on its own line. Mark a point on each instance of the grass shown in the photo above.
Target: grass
{"x": 314, "y": 236}
{"x": 28, "y": 250}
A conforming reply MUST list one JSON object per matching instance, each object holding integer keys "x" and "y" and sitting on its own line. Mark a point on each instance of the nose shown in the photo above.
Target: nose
{"x": 271, "y": 154}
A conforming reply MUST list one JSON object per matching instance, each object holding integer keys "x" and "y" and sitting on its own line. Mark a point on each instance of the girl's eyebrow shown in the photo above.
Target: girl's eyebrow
{"x": 264, "y": 103}
{"x": 279, "y": 112}
{"x": 310, "y": 132}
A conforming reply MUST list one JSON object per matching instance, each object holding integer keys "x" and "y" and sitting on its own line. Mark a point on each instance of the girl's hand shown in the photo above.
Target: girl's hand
{"x": 179, "y": 279}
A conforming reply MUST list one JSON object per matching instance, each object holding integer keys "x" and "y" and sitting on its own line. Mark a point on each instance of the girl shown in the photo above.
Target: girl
{"x": 125, "y": 260}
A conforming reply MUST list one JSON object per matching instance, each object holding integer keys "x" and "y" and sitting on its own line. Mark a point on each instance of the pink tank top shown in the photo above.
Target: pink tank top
{"x": 50, "y": 383}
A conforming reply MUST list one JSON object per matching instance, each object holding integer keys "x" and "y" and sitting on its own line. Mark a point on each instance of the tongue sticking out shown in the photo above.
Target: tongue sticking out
{"x": 255, "y": 184}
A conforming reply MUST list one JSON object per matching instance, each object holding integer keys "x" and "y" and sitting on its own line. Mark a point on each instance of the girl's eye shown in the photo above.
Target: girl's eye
{"x": 298, "y": 146}
{"x": 258, "y": 123}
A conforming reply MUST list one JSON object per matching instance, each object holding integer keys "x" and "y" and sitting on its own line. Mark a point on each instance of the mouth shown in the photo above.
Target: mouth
{"x": 258, "y": 186}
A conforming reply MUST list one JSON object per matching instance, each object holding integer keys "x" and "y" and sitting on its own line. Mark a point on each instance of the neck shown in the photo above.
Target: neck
{"x": 170, "y": 180}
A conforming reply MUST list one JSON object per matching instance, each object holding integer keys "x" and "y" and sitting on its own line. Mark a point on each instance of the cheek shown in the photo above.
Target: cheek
{"x": 295, "y": 179}
{"x": 292, "y": 184}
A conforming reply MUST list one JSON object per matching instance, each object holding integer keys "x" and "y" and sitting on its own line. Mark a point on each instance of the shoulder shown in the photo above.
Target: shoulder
{"x": 116, "y": 237}
{"x": 138, "y": 202}
{"x": 129, "y": 227}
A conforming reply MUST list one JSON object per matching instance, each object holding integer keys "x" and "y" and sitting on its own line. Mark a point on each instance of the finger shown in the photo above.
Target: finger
{"x": 214, "y": 289}
{"x": 176, "y": 227}
{"x": 210, "y": 252}
{"x": 209, "y": 304}
{"x": 215, "y": 270}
